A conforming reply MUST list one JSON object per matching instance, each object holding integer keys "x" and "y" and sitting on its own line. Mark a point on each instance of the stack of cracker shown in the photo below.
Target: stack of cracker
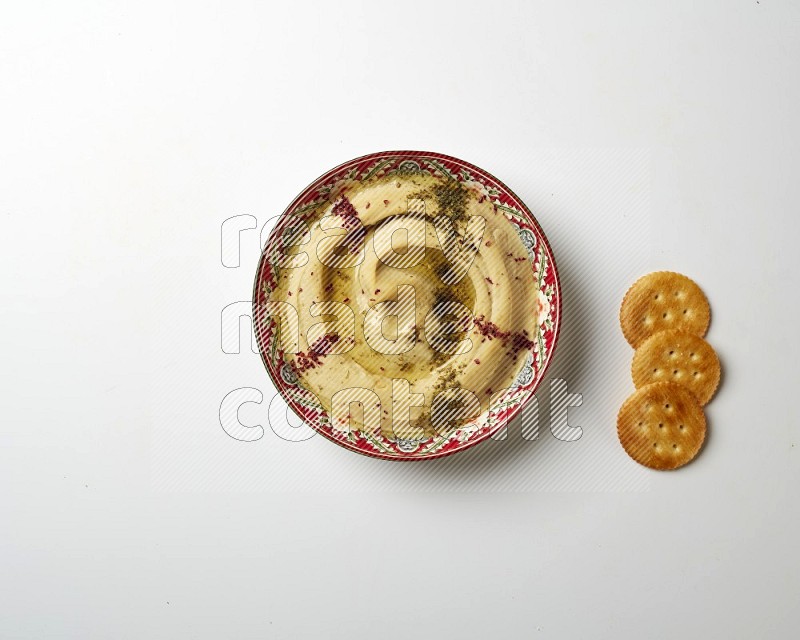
{"x": 664, "y": 316}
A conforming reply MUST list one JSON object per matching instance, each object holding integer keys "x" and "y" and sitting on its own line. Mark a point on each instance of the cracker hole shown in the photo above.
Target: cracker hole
{"x": 696, "y": 374}
{"x": 655, "y": 445}
{"x": 656, "y": 296}
{"x": 672, "y": 353}
{"x": 674, "y": 446}
{"x": 664, "y": 315}
{"x": 680, "y": 427}
{"x": 666, "y": 406}
{"x": 660, "y": 425}
{"x": 675, "y": 372}
{"x": 684, "y": 311}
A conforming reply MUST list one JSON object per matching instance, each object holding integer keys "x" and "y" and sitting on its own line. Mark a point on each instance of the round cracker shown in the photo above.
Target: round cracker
{"x": 661, "y": 426}
{"x": 680, "y": 357}
{"x": 662, "y": 301}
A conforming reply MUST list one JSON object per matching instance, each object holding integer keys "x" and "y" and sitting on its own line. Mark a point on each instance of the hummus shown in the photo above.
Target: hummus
{"x": 406, "y": 304}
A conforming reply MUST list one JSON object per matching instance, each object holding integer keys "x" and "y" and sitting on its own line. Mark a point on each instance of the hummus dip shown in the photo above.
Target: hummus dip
{"x": 406, "y": 304}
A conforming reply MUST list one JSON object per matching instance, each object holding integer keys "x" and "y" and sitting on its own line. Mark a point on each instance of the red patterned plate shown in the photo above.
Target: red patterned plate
{"x": 411, "y": 345}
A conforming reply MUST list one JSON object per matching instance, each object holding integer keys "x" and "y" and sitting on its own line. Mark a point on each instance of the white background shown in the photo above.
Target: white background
{"x": 643, "y": 137}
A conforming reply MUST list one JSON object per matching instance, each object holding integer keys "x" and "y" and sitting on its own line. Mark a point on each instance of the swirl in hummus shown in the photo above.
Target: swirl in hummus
{"x": 405, "y": 303}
